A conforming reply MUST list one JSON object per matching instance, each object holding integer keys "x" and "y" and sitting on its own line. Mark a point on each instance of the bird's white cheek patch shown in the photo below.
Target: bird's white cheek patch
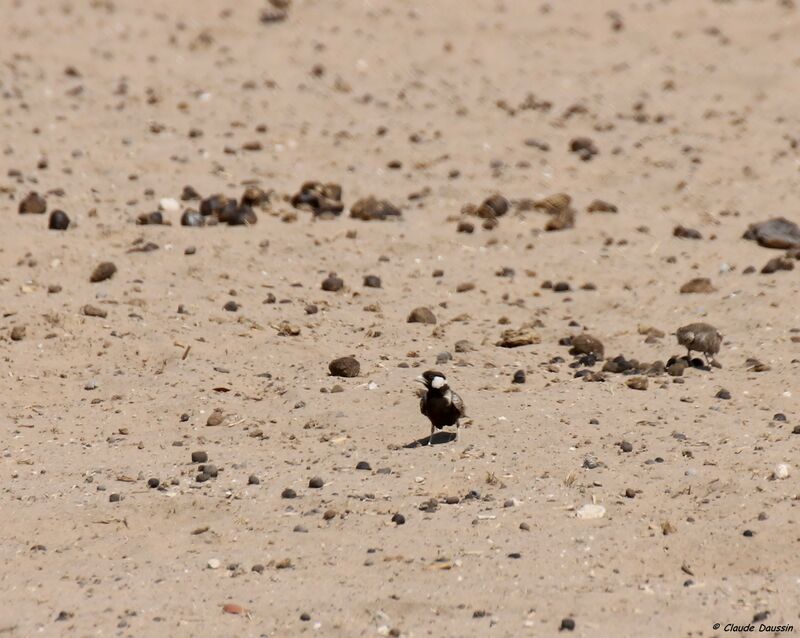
{"x": 437, "y": 383}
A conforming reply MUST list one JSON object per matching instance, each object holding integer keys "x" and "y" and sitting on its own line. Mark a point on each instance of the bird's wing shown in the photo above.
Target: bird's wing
{"x": 422, "y": 404}
{"x": 458, "y": 404}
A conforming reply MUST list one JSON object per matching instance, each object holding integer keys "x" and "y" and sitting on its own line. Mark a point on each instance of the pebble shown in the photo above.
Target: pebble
{"x": 781, "y": 471}
{"x": 231, "y": 306}
{"x": 525, "y": 527}
{"x": 443, "y": 357}
{"x": 370, "y": 208}
{"x": 199, "y": 457}
{"x": 363, "y": 465}
{"x": 398, "y": 519}
{"x": 567, "y": 624}
{"x": 169, "y": 205}
{"x": 113, "y": 497}
{"x": 462, "y": 346}
{"x": 214, "y": 563}
{"x": 288, "y": 493}
{"x": 192, "y": 218}
{"x": 686, "y": 233}
{"x": 215, "y": 418}
{"x": 587, "y": 344}
{"x": 33, "y": 204}
{"x": 637, "y": 383}
{"x": 93, "y": 311}
{"x": 316, "y": 482}
{"x": 777, "y": 263}
{"x": 625, "y": 446}
{"x": 90, "y": 385}
{"x": 17, "y": 333}
{"x": 723, "y": 394}
{"x": 590, "y": 511}
{"x": 778, "y": 232}
{"x": 103, "y": 271}
{"x": 584, "y": 147}
{"x": 153, "y": 483}
{"x": 344, "y": 367}
{"x": 421, "y": 315}
{"x": 519, "y": 377}
{"x": 372, "y": 281}
{"x": 332, "y": 283}
{"x": 698, "y": 285}
{"x": 150, "y": 219}
{"x": 253, "y": 480}
{"x": 58, "y": 220}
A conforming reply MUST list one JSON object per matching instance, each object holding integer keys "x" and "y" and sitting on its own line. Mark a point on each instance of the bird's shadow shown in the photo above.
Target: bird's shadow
{"x": 694, "y": 362}
{"x": 437, "y": 439}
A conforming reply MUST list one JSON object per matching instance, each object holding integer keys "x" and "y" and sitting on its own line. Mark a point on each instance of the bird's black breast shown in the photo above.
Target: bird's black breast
{"x": 439, "y": 409}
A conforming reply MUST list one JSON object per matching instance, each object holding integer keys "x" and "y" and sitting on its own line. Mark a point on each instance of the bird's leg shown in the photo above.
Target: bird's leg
{"x": 430, "y": 439}
{"x": 689, "y": 356}
{"x": 458, "y": 425}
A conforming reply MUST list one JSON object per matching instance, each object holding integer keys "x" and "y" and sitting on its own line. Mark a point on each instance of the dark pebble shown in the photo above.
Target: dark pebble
{"x": 190, "y": 250}
{"x": 316, "y": 482}
{"x": 288, "y": 493}
{"x": 258, "y": 568}
{"x": 561, "y": 286}
{"x": 192, "y": 218}
{"x": 779, "y": 417}
{"x": 421, "y": 315}
{"x": 150, "y": 219}
{"x": 199, "y": 456}
{"x": 153, "y": 482}
{"x": 723, "y": 394}
{"x": 305, "y": 617}
{"x": 749, "y": 533}
{"x": 625, "y": 446}
{"x": 312, "y": 309}
{"x": 58, "y": 220}
{"x": 344, "y": 367}
{"x": 113, "y": 498}
{"x": 398, "y": 519}
{"x": 202, "y": 477}
{"x": 519, "y": 377}
{"x": 253, "y": 480}
{"x": 363, "y": 465}
{"x": 189, "y": 193}
{"x": 103, "y": 271}
{"x": 209, "y": 469}
{"x": 372, "y": 281}
{"x": 33, "y": 204}
{"x": 231, "y": 306}
{"x": 567, "y": 624}
{"x": 332, "y": 283}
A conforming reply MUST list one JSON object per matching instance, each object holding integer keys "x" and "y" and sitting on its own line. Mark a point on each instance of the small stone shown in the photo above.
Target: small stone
{"x": 778, "y": 232}
{"x": 305, "y": 617}
{"x": 215, "y": 418}
{"x": 398, "y": 519}
{"x": 93, "y": 311}
{"x": 344, "y": 367}
{"x": 363, "y": 465}
{"x": 698, "y": 285}
{"x": 17, "y": 333}
{"x": 637, "y": 383}
{"x": 686, "y": 233}
{"x": 626, "y": 446}
{"x": 209, "y": 469}
{"x": 525, "y": 527}
{"x": 600, "y": 206}
{"x": 150, "y": 219}
{"x": 214, "y": 563}
{"x": 153, "y": 483}
{"x": 192, "y": 218}
{"x": 421, "y": 315}
{"x": 630, "y": 493}
{"x": 519, "y": 377}
{"x": 781, "y": 471}
{"x": 372, "y": 281}
{"x": 253, "y": 480}
{"x": 567, "y": 624}
{"x": 370, "y": 208}
{"x": 90, "y": 385}
{"x": 443, "y": 357}
{"x": 113, "y": 497}
{"x": 465, "y": 227}
{"x": 316, "y": 483}
{"x": 584, "y": 147}
{"x": 587, "y": 344}
{"x": 103, "y": 271}
{"x": 748, "y": 533}
{"x": 33, "y": 204}
{"x": 518, "y": 337}
{"x": 199, "y": 457}
{"x": 58, "y": 220}
{"x": 288, "y": 493}
{"x": 461, "y": 346}
{"x": 231, "y": 306}
{"x": 590, "y": 511}
{"x": 329, "y": 515}
{"x": 723, "y": 394}
{"x": 777, "y": 263}
{"x": 332, "y": 283}
{"x": 779, "y": 416}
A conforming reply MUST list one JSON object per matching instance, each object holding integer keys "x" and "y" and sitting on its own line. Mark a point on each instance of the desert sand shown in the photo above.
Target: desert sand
{"x": 218, "y": 339}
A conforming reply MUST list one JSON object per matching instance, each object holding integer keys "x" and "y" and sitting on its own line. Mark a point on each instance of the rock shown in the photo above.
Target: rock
{"x": 199, "y": 457}
{"x": 242, "y": 216}
{"x": 332, "y": 283}
{"x": 590, "y": 511}
{"x": 781, "y": 471}
{"x": 254, "y": 196}
{"x": 372, "y": 281}
{"x": 421, "y": 315}
{"x": 287, "y": 329}
{"x": 626, "y": 446}
{"x": 192, "y": 218}
{"x": 465, "y": 227}
{"x": 58, "y": 220}
{"x": 103, "y": 271}
{"x": 497, "y": 204}
{"x": 462, "y": 345}
{"x": 33, "y": 204}
{"x": 363, "y": 465}
{"x": 153, "y": 483}
{"x": 587, "y": 344}
{"x": 231, "y": 306}
{"x": 344, "y": 367}
{"x": 316, "y": 483}
{"x": 17, "y": 333}
{"x": 288, "y": 493}
{"x": 155, "y": 218}
{"x": 567, "y": 624}
{"x": 519, "y": 377}
{"x": 515, "y": 338}
{"x": 701, "y": 285}
{"x": 562, "y": 220}
{"x": 189, "y": 193}
{"x": 637, "y": 383}
{"x": 398, "y": 519}
{"x": 214, "y": 563}
{"x": 93, "y": 311}
{"x": 777, "y": 263}
{"x": 600, "y": 206}
{"x": 215, "y": 418}
{"x": 723, "y": 394}
{"x": 584, "y": 147}
{"x": 169, "y": 205}
{"x": 686, "y": 233}
{"x": 324, "y": 200}
{"x": 778, "y": 232}
{"x": 553, "y": 204}
{"x": 370, "y": 208}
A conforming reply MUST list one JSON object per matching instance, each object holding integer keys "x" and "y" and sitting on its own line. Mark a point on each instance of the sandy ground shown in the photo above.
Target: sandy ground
{"x": 109, "y": 106}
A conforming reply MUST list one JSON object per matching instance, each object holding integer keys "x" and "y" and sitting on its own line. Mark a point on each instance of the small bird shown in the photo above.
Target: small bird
{"x": 439, "y": 403}
{"x": 700, "y": 337}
